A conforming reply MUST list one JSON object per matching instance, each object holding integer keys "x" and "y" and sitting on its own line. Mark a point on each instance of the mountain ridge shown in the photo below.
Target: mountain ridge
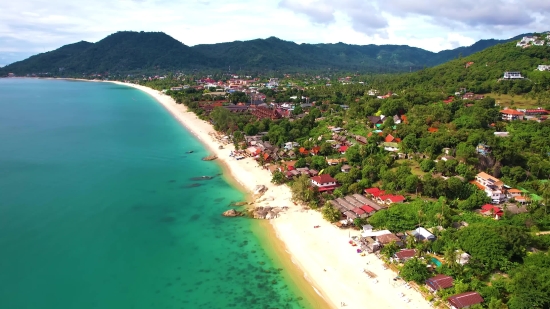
{"x": 129, "y": 51}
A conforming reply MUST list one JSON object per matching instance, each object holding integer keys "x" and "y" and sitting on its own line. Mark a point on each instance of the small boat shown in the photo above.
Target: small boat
{"x": 190, "y": 151}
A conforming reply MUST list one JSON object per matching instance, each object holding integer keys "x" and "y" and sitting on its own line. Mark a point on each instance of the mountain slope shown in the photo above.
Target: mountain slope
{"x": 125, "y": 52}
{"x": 482, "y": 72}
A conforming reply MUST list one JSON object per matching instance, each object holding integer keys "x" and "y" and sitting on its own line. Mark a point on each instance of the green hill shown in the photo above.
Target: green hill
{"x": 482, "y": 72}
{"x": 126, "y": 52}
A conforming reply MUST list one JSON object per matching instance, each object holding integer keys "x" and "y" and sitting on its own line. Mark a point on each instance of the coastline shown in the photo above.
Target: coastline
{"x": 330, "y": 266}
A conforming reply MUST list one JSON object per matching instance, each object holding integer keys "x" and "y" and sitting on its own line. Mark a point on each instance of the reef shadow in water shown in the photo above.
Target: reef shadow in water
{"x": 193, "y": 185}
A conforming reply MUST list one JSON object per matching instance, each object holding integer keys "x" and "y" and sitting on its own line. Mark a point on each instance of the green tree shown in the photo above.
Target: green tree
{"x": 250, "y": 129}
{"x": 415, "y": 270}
{"x": 390, "y": 249}
{"x": 302, "y": 190}
{"x": 318, "y": 163}
{"x": 330, "y": 213}
{"x": 427, "y": 165}
{"x": 278, "y": 178}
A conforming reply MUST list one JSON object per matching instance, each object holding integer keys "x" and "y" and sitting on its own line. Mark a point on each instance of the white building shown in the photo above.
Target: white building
{"x": 543, "y": 67}
{"x": 512, "y": 75}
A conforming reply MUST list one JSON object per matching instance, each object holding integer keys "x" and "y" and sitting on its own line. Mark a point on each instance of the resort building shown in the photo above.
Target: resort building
{"x": 493, "y": 187}
{"x": 324, "y": 182}
{"x": 439, "y": 282}
{"x": 264, "y": 112}
{"x": 511, "y": 114}
{"x": 464, "y": 300}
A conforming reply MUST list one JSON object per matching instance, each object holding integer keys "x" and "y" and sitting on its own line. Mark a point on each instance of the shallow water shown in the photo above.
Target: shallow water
{"x": 100, "y": 207}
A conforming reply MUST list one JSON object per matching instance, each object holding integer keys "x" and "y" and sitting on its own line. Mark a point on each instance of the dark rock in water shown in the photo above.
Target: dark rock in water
{"x": 231, "y": 213}
{"x": 171, "y": 180}
{"x": 219, "y": 199}
{"x": 167, "y": 219}
{"x": 193, "y": 185}
{"x": 201, "y": 178}
{"x": 238, "y": 204}
{"x": 194, "y": 217}
{"x": 210, "y": 158}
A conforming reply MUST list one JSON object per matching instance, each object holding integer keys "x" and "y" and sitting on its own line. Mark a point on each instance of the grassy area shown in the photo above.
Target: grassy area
{"x": 415, "y": 166}
{"x": 516, "y": 101}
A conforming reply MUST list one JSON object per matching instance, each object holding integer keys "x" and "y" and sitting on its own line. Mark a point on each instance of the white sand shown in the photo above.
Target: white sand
{"x": 329, "y": 262}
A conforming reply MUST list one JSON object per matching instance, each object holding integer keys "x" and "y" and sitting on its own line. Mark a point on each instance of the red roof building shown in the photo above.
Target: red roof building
{"x": 511, "y": 114}
{"x": 372, "y": 191}
{"x": 394, "y": 199}
{"x": 315, "y": 150}
{"x": 389, "y": 138}
{"x": 531, "y": 112}
{"x": 368, "y": 209}
{"x": 263, "y": 112}
{"x": 343, "y": 149}
{"x": 439, "y": 282}
{"x": 405, "y": 254}
{"x": 324, "y": 182}
{"x": 464, "y": 300}
{"x": 378, "y": 194}
{"x": 358, "y": 211}
{"x": 491, "y": 210}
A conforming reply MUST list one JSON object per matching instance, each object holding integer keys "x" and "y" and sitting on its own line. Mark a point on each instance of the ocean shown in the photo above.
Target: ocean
{"x": 101, "y": 207}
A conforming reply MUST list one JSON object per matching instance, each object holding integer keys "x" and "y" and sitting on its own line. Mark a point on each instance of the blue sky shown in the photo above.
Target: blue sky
{"x": 34, "y": 26}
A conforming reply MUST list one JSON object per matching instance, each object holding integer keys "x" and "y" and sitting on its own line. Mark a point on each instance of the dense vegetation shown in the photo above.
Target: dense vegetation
{"x": 143, "y": 52}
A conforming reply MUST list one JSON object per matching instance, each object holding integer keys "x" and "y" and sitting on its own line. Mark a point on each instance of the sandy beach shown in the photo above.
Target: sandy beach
{"x": 328, "y": 261}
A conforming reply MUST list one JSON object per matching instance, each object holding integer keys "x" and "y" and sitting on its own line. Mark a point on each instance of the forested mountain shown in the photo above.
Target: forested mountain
{"x": 125, "y": 52}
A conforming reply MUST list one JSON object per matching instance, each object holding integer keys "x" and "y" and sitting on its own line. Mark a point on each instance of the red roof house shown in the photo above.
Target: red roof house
{"x": 491, "y": 210}
{"x": 392, "y": 199}
{"x": 464, "y": 300}
{"x": 439, "y": 282}
{"x": 315, "y": 150}
{"x": 343, "y": 149}
{"x": 404, "y": 255}
{"x": 389, "y": 138}
{"x": 324, "y": 182}
{"x": 372, "y": 191}
{"x": 378, "y": 194}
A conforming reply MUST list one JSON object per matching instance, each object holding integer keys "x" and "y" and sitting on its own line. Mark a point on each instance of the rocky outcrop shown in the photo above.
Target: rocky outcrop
{"x": 210, "y": 158}
{"x": 232, "y": 213}
{"x": 267, "y": 213}
{"x": 260, "y": 189}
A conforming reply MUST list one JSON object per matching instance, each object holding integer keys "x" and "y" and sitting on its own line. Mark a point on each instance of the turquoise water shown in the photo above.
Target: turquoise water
{"x": 98, "y": 209}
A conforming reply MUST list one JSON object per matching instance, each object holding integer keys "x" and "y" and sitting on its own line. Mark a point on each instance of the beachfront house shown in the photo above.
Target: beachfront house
{"x": 464, "y": 300}
{"x": 404, "y": 255}
{"x": 439, "y": 282}
{"x": 324, "y": 182}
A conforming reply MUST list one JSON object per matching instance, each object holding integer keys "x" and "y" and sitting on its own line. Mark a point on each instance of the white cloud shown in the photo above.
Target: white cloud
{"x": 33, "y": 26}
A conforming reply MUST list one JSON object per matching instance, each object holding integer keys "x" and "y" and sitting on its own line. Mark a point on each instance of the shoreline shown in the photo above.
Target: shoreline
{"x": 331, "y": 268}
